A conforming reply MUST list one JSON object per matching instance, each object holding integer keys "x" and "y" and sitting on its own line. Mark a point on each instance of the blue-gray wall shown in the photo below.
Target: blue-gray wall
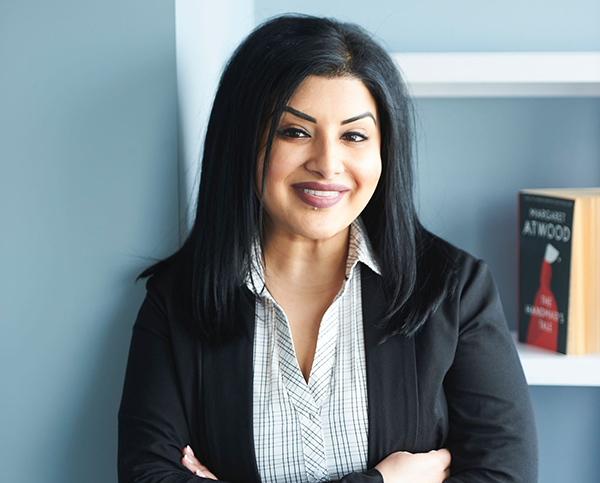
{"x": 475, "y": 154}
{"x": 88, "y": 186}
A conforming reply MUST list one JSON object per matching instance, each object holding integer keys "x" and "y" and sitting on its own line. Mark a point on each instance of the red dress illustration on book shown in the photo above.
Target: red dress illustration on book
{"x": 543, "y": 324}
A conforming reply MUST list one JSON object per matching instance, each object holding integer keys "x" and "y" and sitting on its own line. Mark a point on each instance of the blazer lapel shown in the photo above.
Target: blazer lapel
{"x": 391, "y": 379}
{"x": 391, "y": 390}
{"x": 228, "y": 402}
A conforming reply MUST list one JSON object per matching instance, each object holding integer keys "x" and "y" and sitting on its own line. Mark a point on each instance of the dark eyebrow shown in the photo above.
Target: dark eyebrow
{"x": 360, "y": 116}
{"x": 300, "y": 114}
{"x": 312, "y": 119}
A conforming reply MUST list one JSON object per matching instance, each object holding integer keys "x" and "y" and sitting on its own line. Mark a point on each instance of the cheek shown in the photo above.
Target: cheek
{"x": 281, "y": 166}
{"x": 368, "y": 175}
{"x": 275, "y": 173}
{"x": 377, "y": 173}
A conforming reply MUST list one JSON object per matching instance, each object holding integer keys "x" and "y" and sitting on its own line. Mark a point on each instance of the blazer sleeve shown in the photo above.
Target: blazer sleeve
{"x": 152, "y": 429}
{"x": 493, "y": 437}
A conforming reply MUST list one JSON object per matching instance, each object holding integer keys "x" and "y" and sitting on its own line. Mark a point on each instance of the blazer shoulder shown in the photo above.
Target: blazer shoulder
{"x": 476, "y": 289}
{"x": 161, "y": 284}
{"x": 156, "y": 313}
{"x": 467, "y": 267}
{"x": 450, "y": 251}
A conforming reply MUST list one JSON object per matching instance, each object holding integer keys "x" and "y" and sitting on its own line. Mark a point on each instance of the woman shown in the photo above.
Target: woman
{"x": 310, "y": 328}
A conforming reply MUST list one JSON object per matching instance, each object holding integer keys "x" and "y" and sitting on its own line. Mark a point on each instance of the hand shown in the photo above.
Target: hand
{"x": 402, "y": 467}
{"x": 191, "y": 463}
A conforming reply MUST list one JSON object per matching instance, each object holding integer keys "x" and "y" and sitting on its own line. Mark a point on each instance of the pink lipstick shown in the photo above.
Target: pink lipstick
{"x": 320, "y": 195}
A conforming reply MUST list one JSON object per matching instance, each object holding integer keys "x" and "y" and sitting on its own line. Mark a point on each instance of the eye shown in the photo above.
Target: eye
{"x": 356, "y": 137}
{"x": 292, "y": 133}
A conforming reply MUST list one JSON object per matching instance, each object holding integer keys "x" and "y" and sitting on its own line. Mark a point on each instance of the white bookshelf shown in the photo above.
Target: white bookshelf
{"x": 501, "y": 74}
{"x": 525, "y": 75}
{"x": 545, "y": 368}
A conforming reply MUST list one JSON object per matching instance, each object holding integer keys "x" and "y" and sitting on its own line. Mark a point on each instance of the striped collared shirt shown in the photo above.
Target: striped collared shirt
{"x": 316, "y": 431}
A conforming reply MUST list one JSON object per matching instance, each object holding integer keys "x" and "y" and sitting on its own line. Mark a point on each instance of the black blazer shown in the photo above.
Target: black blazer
{"x": 457, "y": 384}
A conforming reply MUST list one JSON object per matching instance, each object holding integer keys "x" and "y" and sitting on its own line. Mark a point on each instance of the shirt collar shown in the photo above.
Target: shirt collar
{"x": 359, "y": 250}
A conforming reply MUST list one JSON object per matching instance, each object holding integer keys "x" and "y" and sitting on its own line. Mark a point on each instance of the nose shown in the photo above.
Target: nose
{"x": 326, "y": 160}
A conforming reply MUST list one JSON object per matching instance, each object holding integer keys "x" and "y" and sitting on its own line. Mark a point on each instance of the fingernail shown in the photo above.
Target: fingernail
{"x": 190, "y": 449}
{"x": 199, "y": 473}
{"x": 188, "y": 459}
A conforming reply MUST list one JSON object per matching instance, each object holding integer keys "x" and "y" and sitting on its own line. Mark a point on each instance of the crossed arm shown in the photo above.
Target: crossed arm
{"x": 432, "y": 467}
{"x": 484, "y": 389}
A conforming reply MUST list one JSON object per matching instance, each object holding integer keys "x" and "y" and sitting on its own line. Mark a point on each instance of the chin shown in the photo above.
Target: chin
{"x": 319, "y": 229}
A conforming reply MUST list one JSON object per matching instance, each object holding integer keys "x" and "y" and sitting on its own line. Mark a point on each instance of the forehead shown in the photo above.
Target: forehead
{"x": 332, "y": 99}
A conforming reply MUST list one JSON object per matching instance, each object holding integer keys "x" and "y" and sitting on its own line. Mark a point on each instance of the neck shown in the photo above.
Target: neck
{"x": 304, "y": 265}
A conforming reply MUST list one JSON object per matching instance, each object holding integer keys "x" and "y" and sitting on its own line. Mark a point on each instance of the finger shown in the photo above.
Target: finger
{"x": 194, "y": 465}
{"x": 187, "y": 462}
{"x": 192, "y": 460}
{"x": 205, "y": 473}
{"x": 188, "y": 451}
{"x": 445, "y": 456}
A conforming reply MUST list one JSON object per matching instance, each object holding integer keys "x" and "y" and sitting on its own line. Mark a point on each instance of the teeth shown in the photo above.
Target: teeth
{"x": 327, "y": 194}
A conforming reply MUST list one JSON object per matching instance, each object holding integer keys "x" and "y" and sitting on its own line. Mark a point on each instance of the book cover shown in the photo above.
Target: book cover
{"x": 545, "y": 240}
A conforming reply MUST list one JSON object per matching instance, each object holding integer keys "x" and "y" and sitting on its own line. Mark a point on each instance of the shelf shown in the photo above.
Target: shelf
{"x": 545, "y": 368}
{"x": 501, "y": 74}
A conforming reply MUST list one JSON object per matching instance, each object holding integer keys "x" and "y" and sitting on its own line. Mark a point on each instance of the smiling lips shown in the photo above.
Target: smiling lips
{"x": 320, "y": 195}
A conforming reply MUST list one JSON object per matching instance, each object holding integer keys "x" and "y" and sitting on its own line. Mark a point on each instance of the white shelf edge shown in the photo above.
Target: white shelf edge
{"x": 501, "y": 74}
{"x": 545, "y": 368}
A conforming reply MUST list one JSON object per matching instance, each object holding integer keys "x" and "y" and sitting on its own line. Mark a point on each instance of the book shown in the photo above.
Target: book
{"x": 559, "y": 269}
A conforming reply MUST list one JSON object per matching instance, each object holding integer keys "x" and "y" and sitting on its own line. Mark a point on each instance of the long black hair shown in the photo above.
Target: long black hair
{"x": 258, "y": 80}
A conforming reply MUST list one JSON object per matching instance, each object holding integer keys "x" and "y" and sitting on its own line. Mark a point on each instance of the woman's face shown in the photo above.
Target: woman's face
{"x": 326, "y": 155}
